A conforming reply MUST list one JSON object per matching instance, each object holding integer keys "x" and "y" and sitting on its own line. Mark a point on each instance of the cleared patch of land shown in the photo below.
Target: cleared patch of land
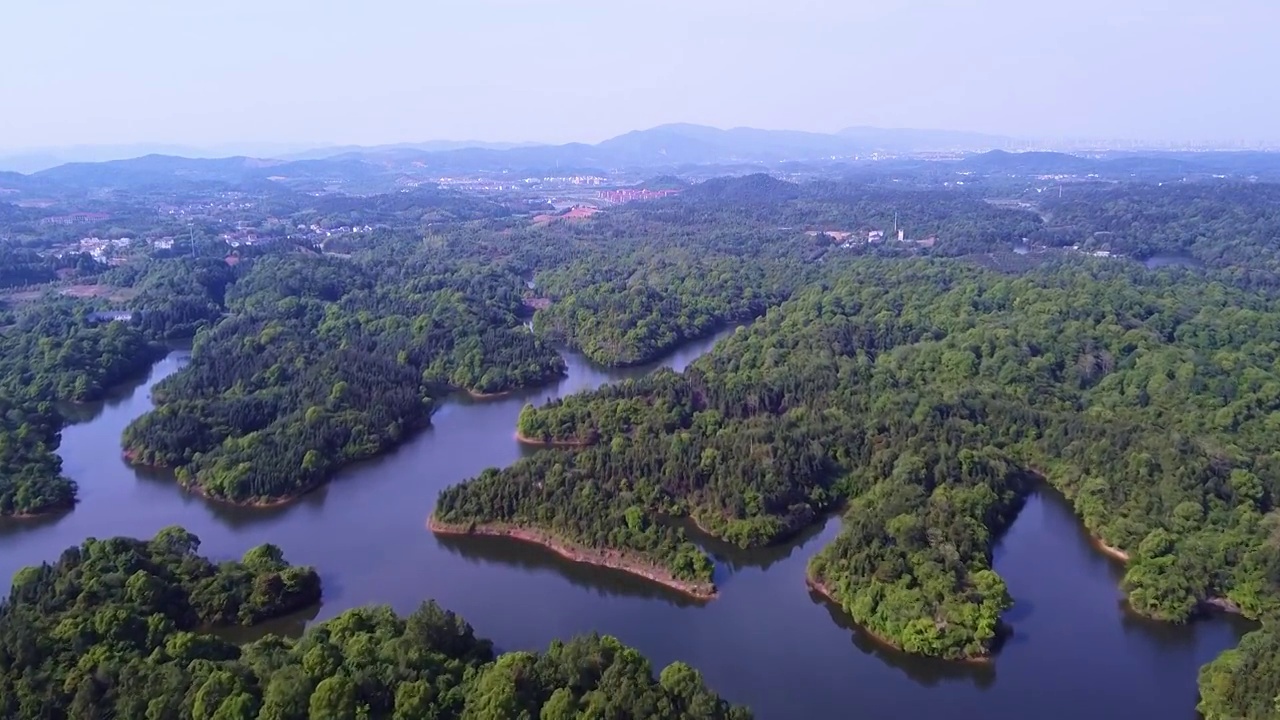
{"x": 110, "y": 292}
{"x": 29, "y": 294}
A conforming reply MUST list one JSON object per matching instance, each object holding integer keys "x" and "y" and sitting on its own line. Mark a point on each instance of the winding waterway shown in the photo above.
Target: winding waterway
{"x": 765, "y": 641}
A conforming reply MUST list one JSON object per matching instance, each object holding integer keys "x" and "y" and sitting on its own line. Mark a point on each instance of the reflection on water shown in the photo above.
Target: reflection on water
{"x": 290, "y": 626}
{"x": 18, "y": 526}
{"x": 534, "y": 558}
{"x": 925, "y": 671}
{"x": 730, "y": 557}
{"x": 765, "y": 641}
{"x": 123, "y": 393}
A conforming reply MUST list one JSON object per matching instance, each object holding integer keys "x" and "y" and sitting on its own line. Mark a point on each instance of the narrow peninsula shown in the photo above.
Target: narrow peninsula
{"x": 932, "y": 429}
{"x": 629, "y": 562}
{"x": 621, "y": 536}
{"x": 319, "y": 362}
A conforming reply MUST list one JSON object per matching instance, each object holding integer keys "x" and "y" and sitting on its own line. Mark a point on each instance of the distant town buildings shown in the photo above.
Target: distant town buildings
{"x": 1096, "y": 253}
{"x": 848, "y": 239}
{"x": 100, "y": 249}
{"x": 316, "y": 230}
{"x": 110, "y": 316}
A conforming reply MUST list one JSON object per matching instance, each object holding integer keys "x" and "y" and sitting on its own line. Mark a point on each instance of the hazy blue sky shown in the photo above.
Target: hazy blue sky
{"x": 375, "y": 71}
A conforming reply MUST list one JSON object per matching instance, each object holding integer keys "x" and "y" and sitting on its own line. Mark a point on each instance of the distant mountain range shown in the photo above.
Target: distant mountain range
{"x": 396, "y": 149}
{"x": 42, "y": 159}
{"x": 665, "y": 145}
{"x": 684, "y": 144}
{"x": 1240, "y": 164}
{"x": 663, "y": 150}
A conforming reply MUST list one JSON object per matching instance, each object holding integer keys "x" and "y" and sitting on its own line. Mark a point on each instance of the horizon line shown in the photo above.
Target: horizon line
{"x": 305, "y": 146}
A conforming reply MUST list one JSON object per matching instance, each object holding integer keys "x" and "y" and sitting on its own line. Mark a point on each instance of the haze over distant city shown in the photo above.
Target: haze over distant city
{"x": 240, "y": 74}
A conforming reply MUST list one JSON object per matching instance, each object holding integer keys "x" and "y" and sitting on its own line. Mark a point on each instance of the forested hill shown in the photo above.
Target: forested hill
{"x": 174, "y": 297}
{"x": 759, "y": 189}
{"x": 322, "y": 361}
{"x": 929, "y": 395}
{"x": 1232, "y": 227}
{"x": 116, "y": 629}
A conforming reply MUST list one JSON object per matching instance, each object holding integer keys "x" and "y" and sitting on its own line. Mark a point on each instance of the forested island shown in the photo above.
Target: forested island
{"x": 120, "y": 628}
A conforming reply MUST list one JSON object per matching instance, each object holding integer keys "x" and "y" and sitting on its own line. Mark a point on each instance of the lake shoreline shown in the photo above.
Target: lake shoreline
{"x": 1108, "y": 550}
{"x": 614, "y": 560}
{"x": 153, "y": 352}
{"x": 40, "y": 514}
{"x": 131, "y": 457}
{"x": 411, "y": 428}
{"x": 819, "y": 588}
{"x": 729, "y": 323}
{"x": 535, "y": 442}
{"x": 477, "y": 395}
{"x": 757, "y": 628}
{"x": 1204, "y": 605}
{"x": 199, "y": 491}
{"x": 482, "y": 395}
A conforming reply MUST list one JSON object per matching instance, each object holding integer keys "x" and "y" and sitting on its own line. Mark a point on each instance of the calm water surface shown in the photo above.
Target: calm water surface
{"x": 765, "y": 641}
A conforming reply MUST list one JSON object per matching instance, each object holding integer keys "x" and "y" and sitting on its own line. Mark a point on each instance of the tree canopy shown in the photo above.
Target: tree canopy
{"x": 323, "y": 361}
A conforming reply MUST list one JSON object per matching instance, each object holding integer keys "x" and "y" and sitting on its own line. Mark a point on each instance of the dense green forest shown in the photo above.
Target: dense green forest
{"x": 31, "y": 479}
{"x": 961, "y": 220}
{"x": 634, "y": 312}
{"x": 641, "y": 280}
{"x": 1223, "y": 225}
{"x": 1244, "y": 682}
{"x": 174, "y": 297}
{"x": 21, "y": 266}
{"x": 118, "y": 628}
{"x": 925, "y": 398}
{"x": 630, "y": 284}
{"x": 54, "y": 352}
{"x": 555, "y": 494}
{"x": 321, "y": 361}
{"x": 927, "y": 395}
{"x": 638, "y": 284}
